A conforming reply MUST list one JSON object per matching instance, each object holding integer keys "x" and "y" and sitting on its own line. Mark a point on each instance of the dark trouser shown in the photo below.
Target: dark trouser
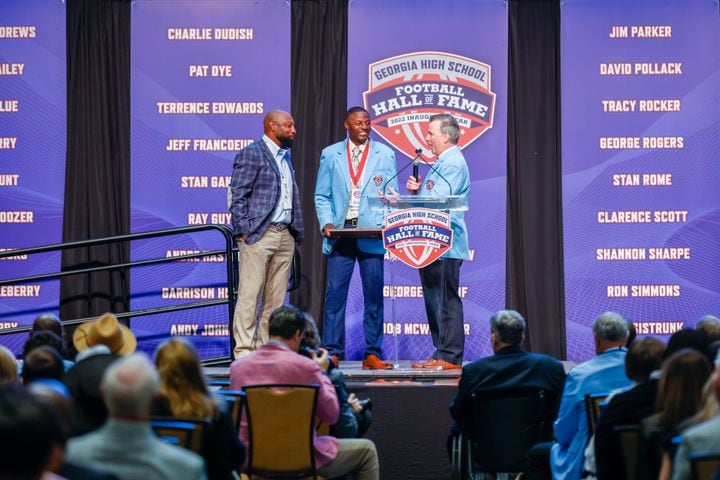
{"x": 539, "y": 462}
{"x": 340, "y": 265}
{"x": 440, "y": 281}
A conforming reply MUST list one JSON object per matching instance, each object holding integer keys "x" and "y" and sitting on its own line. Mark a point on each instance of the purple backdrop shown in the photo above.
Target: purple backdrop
{"x": 228, "y": 63}
{"x": 32, "y": 154}
{"x": 641, "y": 89}
{"x": 475, "y": 58}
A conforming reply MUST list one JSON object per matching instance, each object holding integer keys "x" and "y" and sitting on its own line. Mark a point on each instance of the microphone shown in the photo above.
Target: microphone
{"x": 413, "y": 162}
{"x": 416, "y": 167}
{"x": 434, "y": 170}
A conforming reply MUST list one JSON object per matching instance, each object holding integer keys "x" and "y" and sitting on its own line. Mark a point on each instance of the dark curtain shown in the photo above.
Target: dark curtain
{"x": 319, "y": 102}
{"x": 97, "y": 173}
{"x": 534, "y": 220}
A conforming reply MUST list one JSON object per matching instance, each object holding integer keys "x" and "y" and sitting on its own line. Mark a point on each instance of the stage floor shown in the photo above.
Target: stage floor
{"x": 403, "y": 373}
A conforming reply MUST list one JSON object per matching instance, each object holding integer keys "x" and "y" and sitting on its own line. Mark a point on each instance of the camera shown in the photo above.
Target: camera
{"x": 305, "y": 351}
{"x": 365, "y": 403}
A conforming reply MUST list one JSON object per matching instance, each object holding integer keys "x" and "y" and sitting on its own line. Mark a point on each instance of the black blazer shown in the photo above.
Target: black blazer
{"x": 627, "y": 408}
{"x": 510, "y": 368}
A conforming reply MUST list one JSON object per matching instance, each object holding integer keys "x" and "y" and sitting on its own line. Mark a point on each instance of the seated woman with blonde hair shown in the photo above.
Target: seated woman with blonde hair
{"x": 185, "y": 395}
{"x": 8, "y": 367}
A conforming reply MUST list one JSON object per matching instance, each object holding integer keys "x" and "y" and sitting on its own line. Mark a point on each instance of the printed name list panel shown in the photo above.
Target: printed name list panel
{"x": 32, "y": 155}
{"x": 204, "y": 74}
{"x": 641, "y": 88}
{"x": 403, "y": 73}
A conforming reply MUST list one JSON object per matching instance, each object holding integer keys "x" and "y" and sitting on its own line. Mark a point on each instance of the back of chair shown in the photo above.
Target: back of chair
{"x": 235, "y": 401}
{"x": 280, "y": 427}
{"x": 704, "y": 465}
{"x": 322, "y": 429}
{"x": 506, "y": 424}
{"x": 629, "y": 436}
{"x": 219, "y": 383}
{"x": 189, "y": 432}
{"x": 593, "y": 409}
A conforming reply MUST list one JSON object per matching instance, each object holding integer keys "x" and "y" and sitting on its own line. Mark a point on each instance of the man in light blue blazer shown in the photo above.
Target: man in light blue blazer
{"x": 441, "y": 279}
{"x": 603, "y": 373}
{"x": 351, "y": 172}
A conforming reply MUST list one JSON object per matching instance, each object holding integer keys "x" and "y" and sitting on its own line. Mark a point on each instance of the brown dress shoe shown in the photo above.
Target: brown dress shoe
{"x": 429, "y": 363}
{"x": 443, "y": 365}
{"x": 372, "y": 362}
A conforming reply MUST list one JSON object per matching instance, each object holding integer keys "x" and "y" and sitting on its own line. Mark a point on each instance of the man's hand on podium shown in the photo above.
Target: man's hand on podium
{"x": 390, "y": 193}
{"x": 326, "y": 229}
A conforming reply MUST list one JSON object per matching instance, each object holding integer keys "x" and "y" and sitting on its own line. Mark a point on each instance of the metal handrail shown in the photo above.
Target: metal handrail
{"x": 229, "y": 263}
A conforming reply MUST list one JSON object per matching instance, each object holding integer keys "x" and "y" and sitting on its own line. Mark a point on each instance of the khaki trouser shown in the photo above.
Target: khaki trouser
{"x": 264, "y": 271}
{"x": 356, "y": 456}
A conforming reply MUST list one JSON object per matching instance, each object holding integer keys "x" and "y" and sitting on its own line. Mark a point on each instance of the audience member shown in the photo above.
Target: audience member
{"x": 42, "y": 362}
{"x": 700, "y": 438}
{"x": 629, "y": 407}
{"x": 713, "y": 349}
{"x": 632, "y": 334}
{"x": 688, "y": 338}
{"x": 709, "y": 324}
{"x": 28, "y": 433}
{"x": 8, "y": 367}
{"x": 185, "y": 394}
{"x": 355, "y": 414}
{"x": 603, "y": 373}
{"x": 510, "y": 367}
{"x": 679, "y": 397}
{"x": 54, "y": 395}
{"x": 277, "y": 361}
{"x": 44, "y": 338}
{"x": 709, "y": 404}
{"x": 49, "y": 321}
{"x": 99, "y": 343}
{"x": 126, "y": 445}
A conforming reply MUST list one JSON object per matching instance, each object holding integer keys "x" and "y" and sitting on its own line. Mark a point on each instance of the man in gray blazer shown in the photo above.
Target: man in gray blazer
{"x": 126, "y": 445}
{"x": 267, "y": 223}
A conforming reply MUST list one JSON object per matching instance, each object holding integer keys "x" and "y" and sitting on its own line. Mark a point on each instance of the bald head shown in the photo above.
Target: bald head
{"x": 277, "y": 116}
{"x": 279, "y": 127}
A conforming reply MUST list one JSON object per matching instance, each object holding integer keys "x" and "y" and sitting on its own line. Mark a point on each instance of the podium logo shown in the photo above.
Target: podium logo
{"x": 417, "y": 236}
{"x": 405, "y": 91}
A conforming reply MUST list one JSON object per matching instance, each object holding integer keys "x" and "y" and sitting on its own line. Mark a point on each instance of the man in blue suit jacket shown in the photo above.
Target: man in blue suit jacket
{"x": 441, "y": 279}
{"x": 603, "y": 373}
{"x": 352, "y": 171}
{"x": 267, "y": 221}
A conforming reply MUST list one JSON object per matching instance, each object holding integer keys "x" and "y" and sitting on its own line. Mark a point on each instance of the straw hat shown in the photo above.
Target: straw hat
{"x": 106, "y": 330}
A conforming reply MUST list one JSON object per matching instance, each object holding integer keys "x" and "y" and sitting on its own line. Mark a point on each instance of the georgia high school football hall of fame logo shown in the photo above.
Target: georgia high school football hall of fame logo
{"x": 406, "y": 90}
{"x": 417, "y": 236}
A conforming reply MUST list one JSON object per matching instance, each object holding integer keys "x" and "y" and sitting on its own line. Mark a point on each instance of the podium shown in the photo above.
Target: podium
{"x": 417, "y": 231}
{"x": 417, "y": 228}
